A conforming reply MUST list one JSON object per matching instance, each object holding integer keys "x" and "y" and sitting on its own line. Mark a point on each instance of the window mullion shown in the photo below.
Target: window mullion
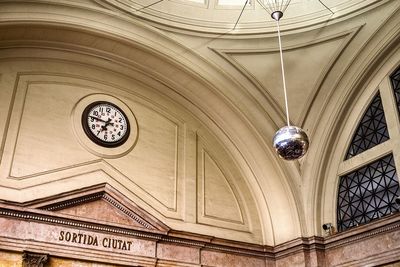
{"x": 392, "y": 117}
{"x": 390, "y": 108}
{"x": 368, "y": 180}
{"x": 366, "y": 157}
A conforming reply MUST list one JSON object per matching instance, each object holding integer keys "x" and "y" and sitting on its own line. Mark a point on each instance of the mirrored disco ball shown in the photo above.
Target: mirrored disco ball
{"x": 291, "y": 142}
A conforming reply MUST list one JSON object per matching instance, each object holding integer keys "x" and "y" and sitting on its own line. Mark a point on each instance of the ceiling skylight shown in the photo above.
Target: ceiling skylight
{"x": 197, "y": 1}
{"x": 233, "y": 2}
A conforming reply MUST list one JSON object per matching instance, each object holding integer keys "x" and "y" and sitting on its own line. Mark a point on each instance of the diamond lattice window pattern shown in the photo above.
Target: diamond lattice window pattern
{"x": 372, "y": 129}
{"x": 367, "y": 193}
{"x": 395, "y": 80}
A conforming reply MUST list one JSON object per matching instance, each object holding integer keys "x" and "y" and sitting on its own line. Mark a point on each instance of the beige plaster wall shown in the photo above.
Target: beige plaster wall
{"x": 207, "y": 107}
{"x": 206, "y": 143}
{"x": 106, "y": 39}
{"x": 44, "y": 154}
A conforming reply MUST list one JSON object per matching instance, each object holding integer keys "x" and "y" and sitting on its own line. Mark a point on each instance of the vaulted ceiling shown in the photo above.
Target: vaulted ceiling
{"x": 229, "y": 78}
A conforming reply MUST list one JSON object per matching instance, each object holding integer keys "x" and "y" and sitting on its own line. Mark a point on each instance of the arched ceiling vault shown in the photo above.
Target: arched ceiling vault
{"x": 229, "y": 82}
{"x": 157, "y": 61}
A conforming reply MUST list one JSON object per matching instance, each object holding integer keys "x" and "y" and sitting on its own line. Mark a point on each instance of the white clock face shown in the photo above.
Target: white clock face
{"x": 105, "y": 124}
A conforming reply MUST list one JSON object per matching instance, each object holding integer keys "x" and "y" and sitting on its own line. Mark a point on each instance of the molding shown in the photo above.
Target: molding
{"x": 391, "y": 256}
{"x": 32, "y": 215}
{"x": 186, "y": 239}
{"x": 40, "y": 212}
{"x": 108, "y": 194}
{"x": 22, "y": 87}
{"x": 204, "y": 154}
{"x": 299, "y": 245}
{"x": 126, "y": 211}
{"x": 99, "y": 196}
{"x": 10, "y": 244}
{"x": 73, "y": 202}
{"x": 387, "y": 224}
{"x": 169, "y": 209}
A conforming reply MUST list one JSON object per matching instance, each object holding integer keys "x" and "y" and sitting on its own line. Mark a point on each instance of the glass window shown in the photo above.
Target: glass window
{"x": 369, "y": 185}
{"x": 395, "y": 81}
{"x": 367, "y": 193}
{"x": 372, "y": 129}
{"x": 197, "y": 1}
{"x": 233, "y": 2}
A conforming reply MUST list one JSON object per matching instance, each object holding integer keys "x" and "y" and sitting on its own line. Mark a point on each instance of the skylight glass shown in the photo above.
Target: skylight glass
{"x": 197, "y": 1}
{"x": 232, "y": 2}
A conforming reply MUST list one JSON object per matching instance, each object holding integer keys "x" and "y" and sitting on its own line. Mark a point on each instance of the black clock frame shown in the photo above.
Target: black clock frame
{"x": 92, "y": 137}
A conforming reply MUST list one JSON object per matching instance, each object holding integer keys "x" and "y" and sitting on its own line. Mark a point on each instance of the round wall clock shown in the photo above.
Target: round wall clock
{"x": 105, "y": 124}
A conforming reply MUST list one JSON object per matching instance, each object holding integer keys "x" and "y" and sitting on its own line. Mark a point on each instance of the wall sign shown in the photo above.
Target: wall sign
{"x": 94, "y": 240}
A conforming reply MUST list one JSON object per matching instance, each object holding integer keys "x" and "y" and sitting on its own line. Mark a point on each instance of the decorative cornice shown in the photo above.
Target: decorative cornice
{"x": 98, "y": 196}
{"x": 300, "y": 245}
{"x": 384, "y": 225}
{"x": 127, "y": 212}
{"x": 247, "y": 252}
{"x": 228, "y": 247}
{"x": 28, "y": 215}
{"x": 109, "y": 195}
{"x": 73, "y": 202}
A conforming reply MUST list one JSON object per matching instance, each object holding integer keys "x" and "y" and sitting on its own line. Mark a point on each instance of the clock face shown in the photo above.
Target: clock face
{"x": 105, "y": 124}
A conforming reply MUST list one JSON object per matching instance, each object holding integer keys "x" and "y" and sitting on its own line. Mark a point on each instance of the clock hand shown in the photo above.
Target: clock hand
{"x": 108, "y": 122}
{"x": 97, "y": 119}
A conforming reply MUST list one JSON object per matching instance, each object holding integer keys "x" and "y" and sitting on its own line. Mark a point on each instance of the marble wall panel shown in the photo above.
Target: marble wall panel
{"x": 61, "y": 262}
{"x": 178, "y": 253}
{"x": 291, "y": 260}
{"x": 378, "y": 248}
{"x": 66, "y": 237}
{"x": 220, "y": 259}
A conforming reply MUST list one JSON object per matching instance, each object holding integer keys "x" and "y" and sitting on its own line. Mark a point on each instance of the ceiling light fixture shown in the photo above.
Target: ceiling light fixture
{"x": 290, "y": 142}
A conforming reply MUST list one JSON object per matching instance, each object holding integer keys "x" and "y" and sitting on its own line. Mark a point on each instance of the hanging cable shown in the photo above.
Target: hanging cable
{"x": 290, "y": 142}
{"x": 330, "y": 10}
{"x": 237, "y": 21}
{"x": 149, "y": 5}
{"x": 283, "y": 74}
